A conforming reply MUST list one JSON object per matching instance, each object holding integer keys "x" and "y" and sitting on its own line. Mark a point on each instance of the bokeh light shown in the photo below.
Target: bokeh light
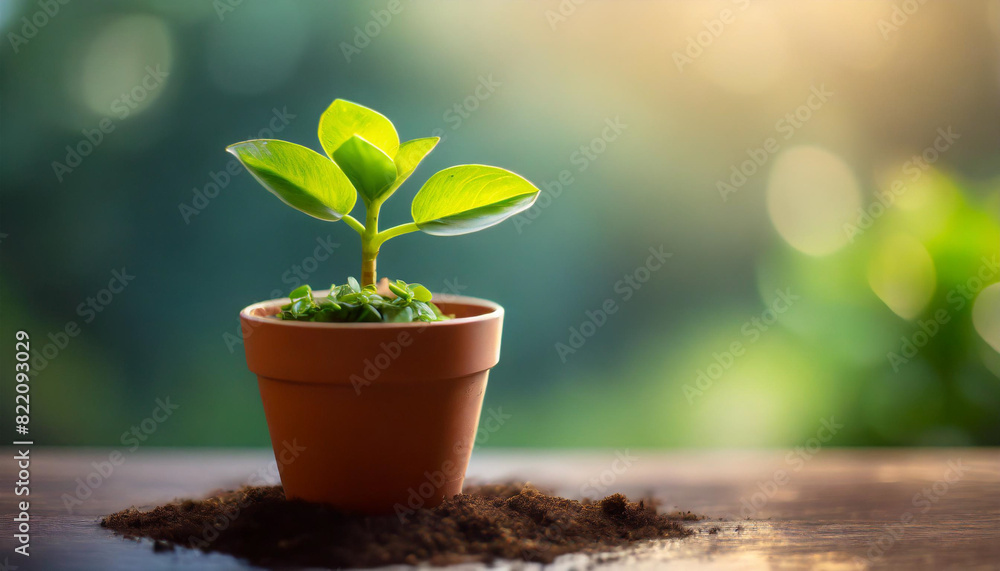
{"x": 901, "y": 273}
{"x": 986, "y": 315}
{"x": 842, "y": 213}
{"x": 811, "y": 195}
{"x": 119, "y": 82}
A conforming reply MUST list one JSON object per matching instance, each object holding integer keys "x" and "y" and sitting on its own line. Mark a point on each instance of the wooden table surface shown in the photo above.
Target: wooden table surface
{"x": 834, "y": 509}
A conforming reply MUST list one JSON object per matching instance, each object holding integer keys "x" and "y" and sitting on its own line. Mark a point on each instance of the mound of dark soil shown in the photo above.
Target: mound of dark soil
{"x": 483, "y": 524}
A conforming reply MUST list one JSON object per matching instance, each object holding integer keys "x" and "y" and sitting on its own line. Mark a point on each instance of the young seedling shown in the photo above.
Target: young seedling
{"x": 365, "y": 158}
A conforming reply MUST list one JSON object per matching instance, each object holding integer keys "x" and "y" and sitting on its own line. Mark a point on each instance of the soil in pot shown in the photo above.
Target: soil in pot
{"x": 509, "y": 521}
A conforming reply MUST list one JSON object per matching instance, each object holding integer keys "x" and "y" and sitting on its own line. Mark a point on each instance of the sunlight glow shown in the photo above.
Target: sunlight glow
{"x": 750, "y": 56}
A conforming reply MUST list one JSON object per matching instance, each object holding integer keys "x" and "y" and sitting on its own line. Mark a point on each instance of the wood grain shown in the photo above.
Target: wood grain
{"x": 833, "y": 509}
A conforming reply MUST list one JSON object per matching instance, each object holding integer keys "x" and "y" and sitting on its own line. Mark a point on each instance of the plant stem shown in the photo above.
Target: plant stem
{"x": 368, "y": 266}
{"x": 372, "y": 239}
{"x": 396, "y": 231}
{"x": 353, "y": 223}
{"x": 370, "y": 243}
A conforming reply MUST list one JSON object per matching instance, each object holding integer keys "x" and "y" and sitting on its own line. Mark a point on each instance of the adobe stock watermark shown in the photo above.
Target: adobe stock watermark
{"x": 121, "y": 107}
{"x": 912, "y": 171}
{"x": 625, "y": 288}
{"x": 373, "y": 28}
{"x": 268, "y": 475}
{"x": 901, "y": 14}
{"x": 452, "y": 288}
{"x": 491, "y": 421}
{"x": 582, "y": 158}
{"x": 696, "y": 45}
{"x": 956, "y": 298}
{"x": 87, "y": 310}
{"x": 600, "y": 484}
{"x": 297, "y": 274}
{"x": 389, "y": 352}
{"x": 785, "y": 127}
{"x": 922, "y": 502}
{"x": 461, "y": 111}
{"x": 29, "y": 26}
{"x": 132, "y": 439}
{"x": 752, "y": 329}
{"x": 562, "y": 13}
{"x": 225, "y": 7}
{"x": 218, "y": 181}
{"x": 795, "y": 460}
{"x": 596, "y": 487}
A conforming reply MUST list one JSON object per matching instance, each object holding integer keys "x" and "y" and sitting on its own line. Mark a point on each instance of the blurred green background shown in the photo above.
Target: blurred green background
{"x": 825, "y": 176}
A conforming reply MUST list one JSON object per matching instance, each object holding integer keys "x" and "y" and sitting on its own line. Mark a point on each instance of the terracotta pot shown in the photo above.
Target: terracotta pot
{"x": 373, "y": 417}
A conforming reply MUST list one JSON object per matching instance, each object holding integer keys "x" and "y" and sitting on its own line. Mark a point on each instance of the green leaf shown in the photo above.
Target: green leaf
{"x": 369, "y": 313}
{"x": 343, "y": 119}
{"x": 300, "y": 177}
{"x": 369, "y": 169}
{"x": 338, "y": 290}
{"x": 301, "y": 306}
{"x": 400, "y": 315}
{"x": 329, "y": 304}
{"x": 408, "y": 158}
{"x": 323, "y": 315}
{"x": 420, "y": 293}
{"x": 350, "y": 303}
{"x": 467, "y": 198}
{"x": 411, "y": 153}
{"x": 400, "y": 291}
{"x": 300, "y": 292}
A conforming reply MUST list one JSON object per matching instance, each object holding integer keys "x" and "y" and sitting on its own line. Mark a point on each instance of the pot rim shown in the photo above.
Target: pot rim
{"x": 495, "y": 311}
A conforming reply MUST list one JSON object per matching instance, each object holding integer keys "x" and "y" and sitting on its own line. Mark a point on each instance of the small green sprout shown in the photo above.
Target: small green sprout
{"x": 364, "y": 157}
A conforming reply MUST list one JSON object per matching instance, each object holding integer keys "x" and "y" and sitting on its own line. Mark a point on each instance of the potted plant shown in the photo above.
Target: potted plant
{"x": 377, "y": 389}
